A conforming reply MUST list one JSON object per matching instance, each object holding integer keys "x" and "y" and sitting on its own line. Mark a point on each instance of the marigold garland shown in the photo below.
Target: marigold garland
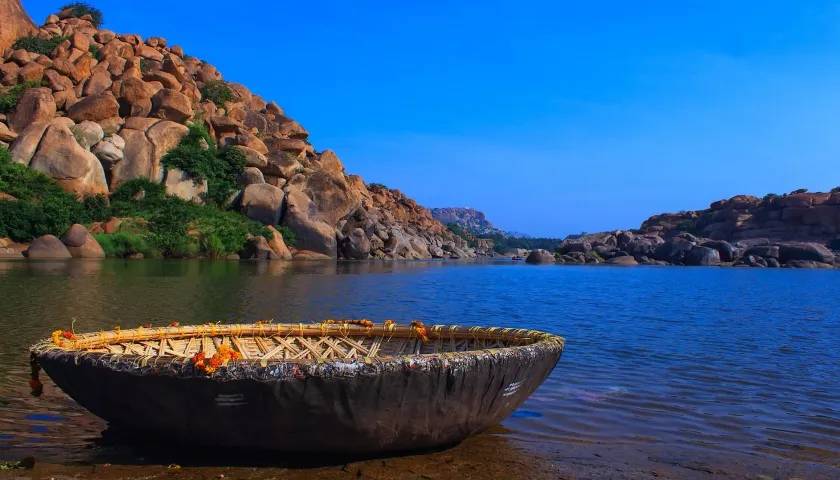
{"x": 222, "y": 357}
{"x": 421, "y": 330}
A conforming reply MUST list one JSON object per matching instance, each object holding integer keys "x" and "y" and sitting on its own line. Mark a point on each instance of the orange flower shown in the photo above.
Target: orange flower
{"x": 59, "y": 336}
{"x": 175, "y": 324}
{"x": 222, "y": 357}
{"x": 421, "y": 330}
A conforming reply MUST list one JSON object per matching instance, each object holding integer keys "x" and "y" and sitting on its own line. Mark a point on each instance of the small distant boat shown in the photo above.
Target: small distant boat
{"x": 349, "y": 387}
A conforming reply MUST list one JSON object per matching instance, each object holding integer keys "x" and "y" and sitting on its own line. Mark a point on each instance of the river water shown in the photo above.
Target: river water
{"x": 668, "y": 371}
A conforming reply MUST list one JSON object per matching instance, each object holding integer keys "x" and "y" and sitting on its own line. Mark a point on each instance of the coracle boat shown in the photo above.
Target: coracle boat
{"x": 344, "y": 387}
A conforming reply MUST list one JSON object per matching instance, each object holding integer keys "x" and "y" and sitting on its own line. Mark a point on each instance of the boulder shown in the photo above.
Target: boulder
{"x": 48, "y": 247}
{"x": 25, "y": 145}
{"x": 673, "y": 250}
{"x": 258, "y": 248}
{"x": 171, "y": 105}
{"x": 6, "y": 135}
{"x": 311, "y": 232}
{"x": 108, "y": 151}
{"x": 356, "y": 245}
{"x": 81, "y": 244}
{"x": 250, "y": 176}
{"x": 805, "y": 251}
{"x": 766, "y": 251}
{"x": 253, "y": 158}
{"x": 74, "y": 168}
{"x": 540, "y": 256}
{"x": 137, "y": 160}
{"x": 263, "y": 203}
{"x": 309, "y": 255}
{"x": 36, "y": 105}
{"x": 88, "y": 134}
{"x": 182, "y": 185}
{"x": 624, "y": 260}
{"x": 16, "y": 23}
{"x": 94, "y": 108}
{"x": 278, "y": 244}
{"x": 702, "y": 256}
{"x": 332, "y": 195}
{"x": 726, "y": 250}
{"x": 164, "y": 136}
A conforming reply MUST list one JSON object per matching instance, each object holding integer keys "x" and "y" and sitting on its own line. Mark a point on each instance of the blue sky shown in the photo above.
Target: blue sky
{"x": 552, "y": 117}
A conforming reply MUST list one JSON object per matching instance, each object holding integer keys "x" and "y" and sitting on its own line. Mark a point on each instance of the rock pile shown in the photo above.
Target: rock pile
{"x": 110, "y": 106}
{"x": 795, "y": 230}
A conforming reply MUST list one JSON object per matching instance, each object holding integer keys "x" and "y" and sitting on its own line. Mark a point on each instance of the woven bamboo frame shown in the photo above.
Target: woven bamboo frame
{"x": 296, "y": 343}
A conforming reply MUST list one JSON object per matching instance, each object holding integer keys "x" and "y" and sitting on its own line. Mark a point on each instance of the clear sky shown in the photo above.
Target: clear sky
{"x": 553, "y": 117}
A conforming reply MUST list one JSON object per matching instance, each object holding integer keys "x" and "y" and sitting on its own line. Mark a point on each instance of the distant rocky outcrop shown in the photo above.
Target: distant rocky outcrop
{"x": 104, "y": 108}
{"x": 800, "y": 229}
{"x": 469, "y": 219}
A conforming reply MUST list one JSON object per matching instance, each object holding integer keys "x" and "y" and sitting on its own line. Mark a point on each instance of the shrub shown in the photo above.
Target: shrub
{"x": 799, "y": 190}
{"x": 198, "y": 156}
{"x": 217, "y": 92}
{"x": 121, "y": 245}
{"x": 289, "y": 236}
{"x": 43, "y": 46}
{"x": 10, "y": 97}
{"x": 377, "y": 186}
{"x": 79, "y": 9}
{"x": 835, "y": 190}
{"x": 94, "y": 51}
{"x": 41, "y": 208}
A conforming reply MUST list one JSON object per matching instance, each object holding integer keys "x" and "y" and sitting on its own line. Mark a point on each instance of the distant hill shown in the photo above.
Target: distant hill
{"x": 469, "y": 219}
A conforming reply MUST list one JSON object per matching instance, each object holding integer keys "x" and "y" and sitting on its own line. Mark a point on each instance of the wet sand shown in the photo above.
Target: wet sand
{"x": 492, "y": 455}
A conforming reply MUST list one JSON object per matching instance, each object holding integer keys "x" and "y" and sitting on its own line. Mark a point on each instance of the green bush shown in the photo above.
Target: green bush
{"x": 217, "y": 92}
{"x": 198, "y": 156}
{"x": 178, "y": 228}
{"x": 41, "y": 208}
{"x": 122, "y": 245}
{"x": 94, "y": 51}
{"x": 289, "y": 236}
{"x": 43, "y": 46}
{"x": 79, "y": 9}
{"x": 377, "y": 186}
{"x": 9, "y": 97}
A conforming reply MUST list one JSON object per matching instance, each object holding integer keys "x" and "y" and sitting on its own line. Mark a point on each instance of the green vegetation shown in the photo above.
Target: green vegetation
{"x": 217, "y": 92}
{"x": 9, "y": 97}
{"x": 176, "y": 228}
{"x": 198, "y": 156}
{"x": 43, "y": 46}
{"x": 41, "y": 208}
{"x": 158, "y": 225}
{"x": 799, "y": 190}
{"x": 94, "y": 51}
{"x": 504, "y": 243}
{"x": 289, "y": 237}
{"x": 79, "y": 9}
{"x": 377, "y": 186}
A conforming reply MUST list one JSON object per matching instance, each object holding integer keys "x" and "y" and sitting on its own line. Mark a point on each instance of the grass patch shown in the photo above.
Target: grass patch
{"x": 80, "y": 9}
{"x": 217, "y": 92}
{"x": 43, "y": 46}
{"x": 122, "y": 245}
{"x": 198, "y": 156}
{"x": 94, "y": 51}
{"x": 9, "y": 97}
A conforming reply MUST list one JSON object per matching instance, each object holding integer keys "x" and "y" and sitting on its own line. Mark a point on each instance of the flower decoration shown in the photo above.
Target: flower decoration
{"x": 421, "y": 331}
{"x": 222, "y": 357}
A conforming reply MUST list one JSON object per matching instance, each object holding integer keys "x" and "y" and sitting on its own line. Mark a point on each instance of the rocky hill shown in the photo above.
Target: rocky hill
{"x": 96, "y": 110}
{"x": 469, "y": 219}
{"x": 799, "y": 229}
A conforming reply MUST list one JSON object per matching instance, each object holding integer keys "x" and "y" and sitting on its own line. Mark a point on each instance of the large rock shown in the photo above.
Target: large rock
{"x": 81, "y": 244}
{"x": 48, "y": 247}
{"x": 74, "y": 168}
{"x": 16, "y": 23}
{"x": 702, "y": 256}
{"x": 332, "y": 195}
{"x": 164, "y": 136}
{"x": 26, "y": 144}
{"x": 36, "y": 105}
{"x": 624, "y": 260}
{"x": 673, "y": 250}
{"x": 805, "y": 251}
{"x": 263, "y": 202}
{"x": 171, "y": 105}
{"x": 278, "y": 244}
{"x": 540, "y": 256}
{"x": 310, "y": 231}
{"x": 94, "y": 108}
{"x": 182, "y": 185}
{"x": 356, "y": 245}
{"x": 726, "y": 250}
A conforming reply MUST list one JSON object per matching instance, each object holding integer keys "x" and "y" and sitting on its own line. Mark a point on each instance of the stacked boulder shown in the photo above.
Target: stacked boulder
{"x": 111, "y": 106}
